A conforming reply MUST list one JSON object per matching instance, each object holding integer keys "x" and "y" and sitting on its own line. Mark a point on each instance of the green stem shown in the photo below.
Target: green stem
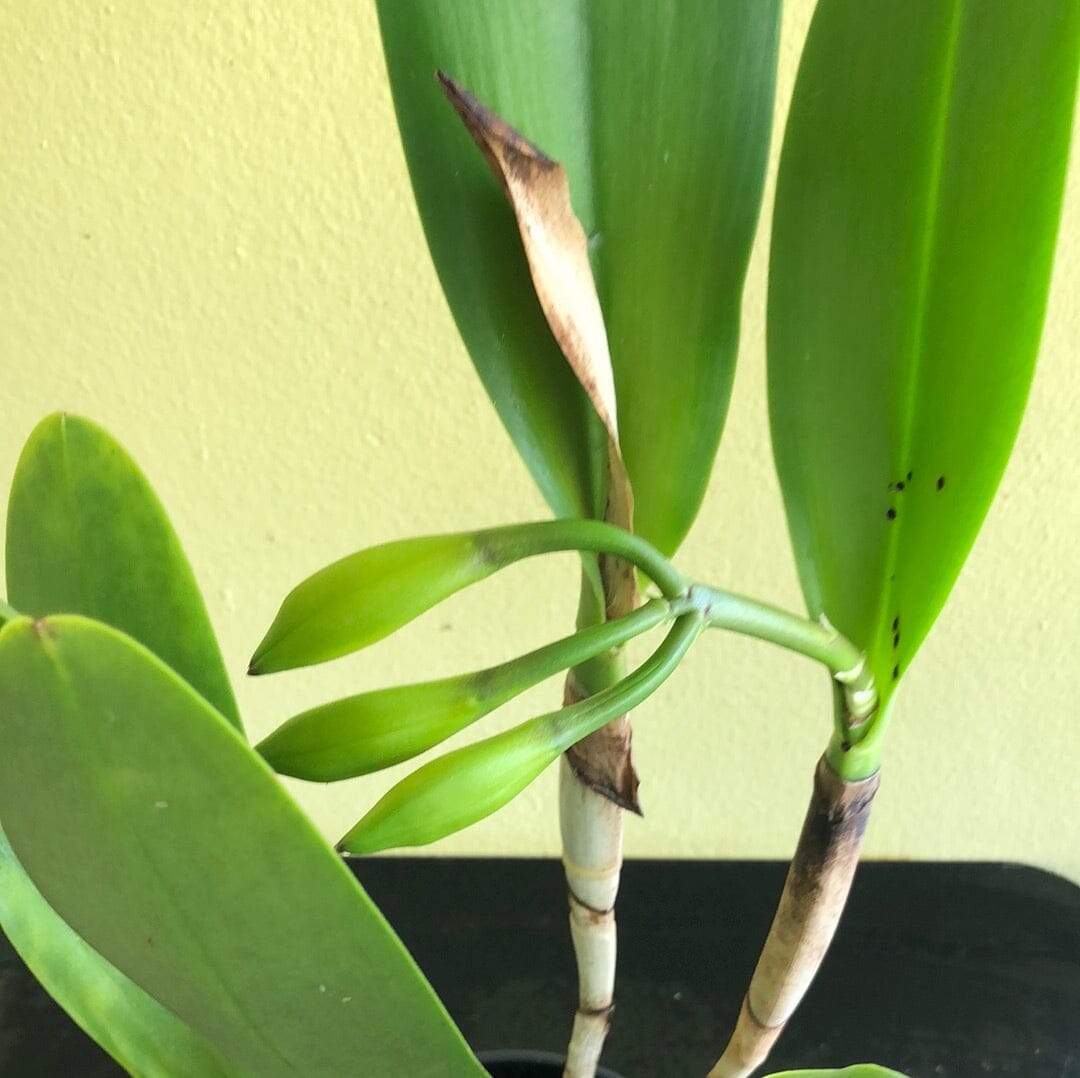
{"x": 720, "y": 609}
{"x": 7, "y": 613}
{"x": 605, "y": 669}
{"x": 726, "y": 610}
{"x": 526, "y": 540}
{"x": 856, "y": 754}
{"x": 591, "y": 644}
{"x": 571, "y": 724}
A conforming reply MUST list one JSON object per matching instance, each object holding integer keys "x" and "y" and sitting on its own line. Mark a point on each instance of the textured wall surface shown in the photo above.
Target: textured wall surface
{"x": 207, "y": 244}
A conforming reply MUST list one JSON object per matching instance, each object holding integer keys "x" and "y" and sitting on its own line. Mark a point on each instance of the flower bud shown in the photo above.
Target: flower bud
{"x": 453, "y": 791}
{"x": 366, "y": 596}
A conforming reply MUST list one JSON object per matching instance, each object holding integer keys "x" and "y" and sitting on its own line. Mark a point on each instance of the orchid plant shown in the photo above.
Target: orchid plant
{"x": 153, "y": 872}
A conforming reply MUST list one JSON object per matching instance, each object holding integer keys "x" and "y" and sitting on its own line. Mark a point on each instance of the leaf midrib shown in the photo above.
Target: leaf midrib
{"x": 917, "y": 347}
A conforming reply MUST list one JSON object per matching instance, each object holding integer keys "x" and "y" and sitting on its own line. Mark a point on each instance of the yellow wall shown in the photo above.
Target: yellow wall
{"x": 207, "y": 244}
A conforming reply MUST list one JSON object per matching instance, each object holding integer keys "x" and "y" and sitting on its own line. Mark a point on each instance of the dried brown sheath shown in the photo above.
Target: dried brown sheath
{"x": 597, "y": 778}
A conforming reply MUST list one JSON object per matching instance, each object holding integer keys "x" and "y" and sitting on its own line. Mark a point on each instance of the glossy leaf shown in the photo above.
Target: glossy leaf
{"x": 221, "y": 900}
{"x": 661, "y": 115}
{"x": 136, "y": 1030}
{"x": 87, "y": 535}
{"x": 917, "y": 205}
{"x": 373, "y": 730}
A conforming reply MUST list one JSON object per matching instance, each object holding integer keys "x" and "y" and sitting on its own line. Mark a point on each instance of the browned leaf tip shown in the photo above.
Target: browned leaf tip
{"x": 556, "y": 248}
{"x": 484, "y": 124}
{"x": 555, "y": 245}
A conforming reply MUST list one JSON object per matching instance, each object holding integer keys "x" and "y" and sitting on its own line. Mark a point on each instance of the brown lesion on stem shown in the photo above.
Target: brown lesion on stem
{"x": 813, "y": 899}
{"x": 603, "y": 760}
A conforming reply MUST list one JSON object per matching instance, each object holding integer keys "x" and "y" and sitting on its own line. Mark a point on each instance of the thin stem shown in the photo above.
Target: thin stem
{"x": 855, "y": 757}
{"x": 454, "y": 791}
{"x": 820, "y": 641}
{"x": 7, "y": 613}
{"x": 597, "y": 781}
{"x": 721, "y": 609}
{"x": 571, "y": 724}
{"x": 526, "y": 540}
{"x": 509, "y": 678}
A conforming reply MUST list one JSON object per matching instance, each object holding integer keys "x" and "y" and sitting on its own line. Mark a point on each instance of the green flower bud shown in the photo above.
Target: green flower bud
{"x": 373, "y": 730}
{"x": 454, "y": 791}
{"x": 366, "y": 596}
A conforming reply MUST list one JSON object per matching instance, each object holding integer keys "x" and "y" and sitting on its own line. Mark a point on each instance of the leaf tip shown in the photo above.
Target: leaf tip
{"x": 499, "y": 141}
{"x": 263, "y": 660}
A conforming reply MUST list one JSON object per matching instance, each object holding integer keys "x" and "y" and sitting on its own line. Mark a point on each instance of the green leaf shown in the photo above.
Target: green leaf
{"x": 132, "y": 1027}
{"x": 373, "y": 730}
{"x": 917, "y": 205}
{"x": 87, "y": 535}
{"x": 221, "y": 900}
{"x": 661, "y": 115}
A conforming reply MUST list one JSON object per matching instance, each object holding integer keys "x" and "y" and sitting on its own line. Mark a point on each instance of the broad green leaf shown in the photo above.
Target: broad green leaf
{"x": 170, "y": 847}
{"x": 660, "y": 114}
{"x": 917, "y": 205}
{"x": 87, "y": 535}
{"x": 136, "y": 1030}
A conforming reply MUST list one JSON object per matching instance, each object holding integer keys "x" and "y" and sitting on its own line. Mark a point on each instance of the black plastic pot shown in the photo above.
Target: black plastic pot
{"x": 966, "y": 970}
{"x": 512, "y": 1063}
